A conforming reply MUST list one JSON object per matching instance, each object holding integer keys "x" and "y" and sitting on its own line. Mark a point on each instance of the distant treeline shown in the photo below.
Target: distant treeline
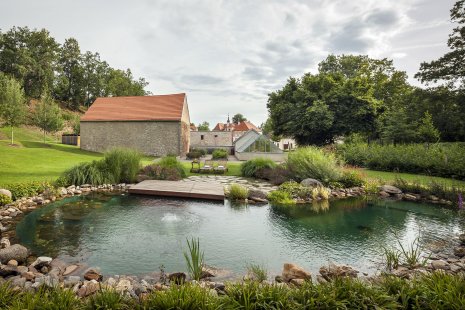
{"x": 41, "y": 64}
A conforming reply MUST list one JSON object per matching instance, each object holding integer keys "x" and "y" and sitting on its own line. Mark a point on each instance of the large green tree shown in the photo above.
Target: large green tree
{"x": 237, "y": 118}
{"x": 13, "y": 106}
{"x": 47, "y": 115}
{"x": 449, "y": 68}
{"x": 205, "y": 126}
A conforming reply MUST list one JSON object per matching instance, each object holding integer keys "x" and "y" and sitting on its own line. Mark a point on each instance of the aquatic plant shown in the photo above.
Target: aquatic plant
{"x": 412, "y": 254}
{"x": 280, "y": 197}
{"x": 238, "y": 192}
{"x": 123, "y": 164}
{"x": 391, "y": 258}
{"x": 257, "y": 272}
{"x": 194, "y": 258}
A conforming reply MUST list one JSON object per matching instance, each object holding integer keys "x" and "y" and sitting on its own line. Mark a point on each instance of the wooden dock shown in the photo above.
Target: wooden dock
{"x": 182, "y": 189}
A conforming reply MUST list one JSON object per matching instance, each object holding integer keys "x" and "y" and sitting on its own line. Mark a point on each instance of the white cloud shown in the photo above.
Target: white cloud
{"x": 227, "y": 55}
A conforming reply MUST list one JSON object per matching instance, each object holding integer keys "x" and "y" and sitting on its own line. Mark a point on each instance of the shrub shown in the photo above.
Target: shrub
{"x": 238, "y": 192}
{"x": 123, "y": 164}
{"x": 351, "y": 179}
{"x": 4, "y": 199}
{"x": 253, "y": 167}
{"x": 167, "y": 168}
{"x": 193, "y": 155}
{"x": 440, "y": 159}
{"x": 294, "y": 189}
{"x": 27, "y": 189}
{"x": 220, "y": 154}
{"x": 280, "y": 197}
{"x": 312, "y": 162}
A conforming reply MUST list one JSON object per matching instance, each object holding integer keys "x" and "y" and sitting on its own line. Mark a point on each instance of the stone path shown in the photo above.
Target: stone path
{"x": 228, "y": 180}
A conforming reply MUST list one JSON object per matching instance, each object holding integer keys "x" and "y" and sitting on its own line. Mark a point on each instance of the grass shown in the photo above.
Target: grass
{"x": 234, "y": 169}
{"x": 194, "y": 258}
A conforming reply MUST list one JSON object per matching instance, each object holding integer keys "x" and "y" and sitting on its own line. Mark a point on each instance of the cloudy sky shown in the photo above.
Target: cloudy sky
{"x": 227, "y": 55}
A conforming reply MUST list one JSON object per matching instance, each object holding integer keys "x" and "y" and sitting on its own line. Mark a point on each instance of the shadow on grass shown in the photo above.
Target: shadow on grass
{"x": 59, "y": 147}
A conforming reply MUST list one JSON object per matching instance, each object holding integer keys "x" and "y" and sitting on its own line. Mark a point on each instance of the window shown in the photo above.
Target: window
{"x": 262, "y": 145}
{"x": 201, "y": 137}
{"x": 216, "y": 136}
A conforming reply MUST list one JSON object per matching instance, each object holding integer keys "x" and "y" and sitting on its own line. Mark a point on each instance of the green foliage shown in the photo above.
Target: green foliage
{"x": 167, "y": 168}
{"x": 237, "y": 118}
{"x": 205, "y": 126}
{"x": 219, "y": 154}
{"x": 109, "y": 299}
{"x": 312, "y": 162}
{"x": 238, "y": 192}
{"x": 4, "y": 199}
{"x": 194, "y": 259}
{"x": 397, "y": 127}
{"x": 426, "y": 131}
{"x": 12, "y": 103}
{"x": 251, "y": 167}
{"x": 257, "y": 272}
{"x": 27, "y": 189}
{"x": 280, "y": 197}
{"x": 47, "y": 115}
{"x": 294, "y": 189}
{"x": 391, "y": 258}
{"x": 76, "y": 124}
{"x": 118, "y": 165}
{"x": 351, "y": 178}
{"x": 411, "y": 255}
{"x": 124, "y": 164}
{"x": 196, "y": 153}
{"x": 441, "y": 159}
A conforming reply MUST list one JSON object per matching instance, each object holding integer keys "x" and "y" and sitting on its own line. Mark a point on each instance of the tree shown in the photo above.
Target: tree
{"x": 450, "y": 67}
{"x": 426, "y": 130}
{"x": 12, "y": 103}
{"x": 237, "y": 118}
{"x": 47, "y": 115}
{"x": 397, "y": 128}
{"x": 205, "y": 126}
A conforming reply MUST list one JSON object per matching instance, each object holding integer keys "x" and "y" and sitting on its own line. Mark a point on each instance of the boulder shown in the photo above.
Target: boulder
{"x": 311, "y": 183}
{"x": 410, "y": 197}
{"x": 5, "y": 192}
{"x": 440, "y": 265}
{"x": 71, "y": 281}
{"x": 70, "y": 269}
{"x": 462, "y": 238}
{"x": 392, "y": 190}
{"x": 337, "y": 271}
{"x": 88, "y": 289}
{"x": 16, "y": 251}
{"x": 92, "y": 274}
{"x": 13, "y": 263}
{"x": 6, "y": 271}
{"x": 4, "y": 243}
{"x": 177, "y": 277}
{"x": 41, "y": 261}
{"x": 29, "y": 276}
{"x": 459, "y": 251}
{"x": 297, "y": 282}
{"x": 291, "y": 271}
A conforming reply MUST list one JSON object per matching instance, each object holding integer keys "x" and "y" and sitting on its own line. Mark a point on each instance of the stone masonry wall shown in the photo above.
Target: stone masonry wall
{"x": 151, "y": 138}
{"x": 211, "y": 139}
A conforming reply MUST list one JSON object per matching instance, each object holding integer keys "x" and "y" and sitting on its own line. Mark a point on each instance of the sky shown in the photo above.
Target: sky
{"x": 228, "y": 55}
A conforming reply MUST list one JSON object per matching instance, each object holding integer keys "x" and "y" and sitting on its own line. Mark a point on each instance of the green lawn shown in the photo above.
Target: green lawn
{"x": 234, "y": 169}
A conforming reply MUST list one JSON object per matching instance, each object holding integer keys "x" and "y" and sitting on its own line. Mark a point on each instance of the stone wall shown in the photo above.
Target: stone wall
{"x": 210, "y": 139}
{"x": 152, "y": 138}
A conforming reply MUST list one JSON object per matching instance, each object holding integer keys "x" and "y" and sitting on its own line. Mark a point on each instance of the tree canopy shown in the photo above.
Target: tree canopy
{"x": 39, "y": 62}
{"x": 12, "y": 103}
{"x": 237, "y": 118}
{"x": 205, "y": 126}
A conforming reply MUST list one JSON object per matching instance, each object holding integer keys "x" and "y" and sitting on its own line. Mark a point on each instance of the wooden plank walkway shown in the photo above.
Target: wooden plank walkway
{"x": 183, "y": 189}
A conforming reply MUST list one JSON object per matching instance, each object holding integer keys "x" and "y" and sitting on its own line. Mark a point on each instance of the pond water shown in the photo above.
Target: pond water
{"x": 125, "y": 234}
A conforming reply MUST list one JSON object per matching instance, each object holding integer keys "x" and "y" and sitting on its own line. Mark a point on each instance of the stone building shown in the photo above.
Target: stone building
{"x": 154, "y": 125}
{"x": 211, "y": 140}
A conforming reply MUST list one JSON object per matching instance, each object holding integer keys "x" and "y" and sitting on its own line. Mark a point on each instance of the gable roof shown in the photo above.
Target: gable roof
{"x": 242, "y": 126}
{"x": 137, "y": 108}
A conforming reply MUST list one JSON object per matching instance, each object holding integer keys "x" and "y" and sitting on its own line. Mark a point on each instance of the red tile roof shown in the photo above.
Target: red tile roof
{"x": 242, "y": 126}
{"x": 137, "y": 108}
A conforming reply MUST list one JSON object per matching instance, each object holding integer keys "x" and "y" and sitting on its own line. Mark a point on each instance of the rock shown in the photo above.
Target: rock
{"x": 41, "y": 261}
{"x": 401, "y": 272}
{"x": 320, "y": 279}
{"x": 13, "y": 263}
{"x": 462, "y": 239}
{"x": 291, "y": 271}
{"x": 6, "y": 271}
{"x": 297, "y": 282}
{"x": 455, "y": 268}
{"x": 279, "y": 279}
{"x": 111, "y": 282}
{"x": 71, "y": 281}
{"x": 311, "y": 183}
{"x": 88, "y": 289}
{"x": 219, "y": 286}
{"x": 410, "y": 197}
{"x": 16, "y": 252}
{"x": 124, "y": 285}
{"x": 44, "y": 269}
{"x": 459, "y": 251}
{"x": 383, "y": 194}
{"x": 178, "y": 277}
{"x": 392, "y": 190}
{"x": 70, "y": 269}
{"x": 93, "y": 274}
{"x": 29, "y": 276}
{"x": 5, "y": 192}
{"x": 440, "y": 264}
{"x": 337, "y": 271}
{"x": 63, "y": 191}
{"x": 4, "y": 243}
{"x": 22, "y": 269}
{"x": 18, "y": 282}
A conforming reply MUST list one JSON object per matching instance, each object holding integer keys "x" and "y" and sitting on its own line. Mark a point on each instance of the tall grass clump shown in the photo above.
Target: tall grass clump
{"x": 194, "y": 258}
{"x": 238, "y": 192}
{"x": 123, "y": 164}
{"x": 167, "y": 168}
{"x": 281, "y": 197}
{"x": 252, "y": 167}
{"x": 257, "y": 272}
{"x": 312, "y": 162}
{"x": 118, "y": 165}
{"x": 109, "y": 299}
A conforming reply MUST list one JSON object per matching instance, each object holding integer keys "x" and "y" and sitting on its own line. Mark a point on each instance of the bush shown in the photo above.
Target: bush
{"x": 280, "y": 197}
{"x": 220, "y": 154}
{"x": 312, "y": 162}
{"x": 27, "y": 189}
{"x": 167, "y": 168}
{"x": 193, "y": 155}
{"x": 351, "y": 179}
{"x": 238, "y": 192}
{"x": 253, "y": 167}
{"x": 296, "y": 190}
{"x": 4, "y": 199}
{"x": 441, "y": 159}
{"x": 123, "y": 164}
